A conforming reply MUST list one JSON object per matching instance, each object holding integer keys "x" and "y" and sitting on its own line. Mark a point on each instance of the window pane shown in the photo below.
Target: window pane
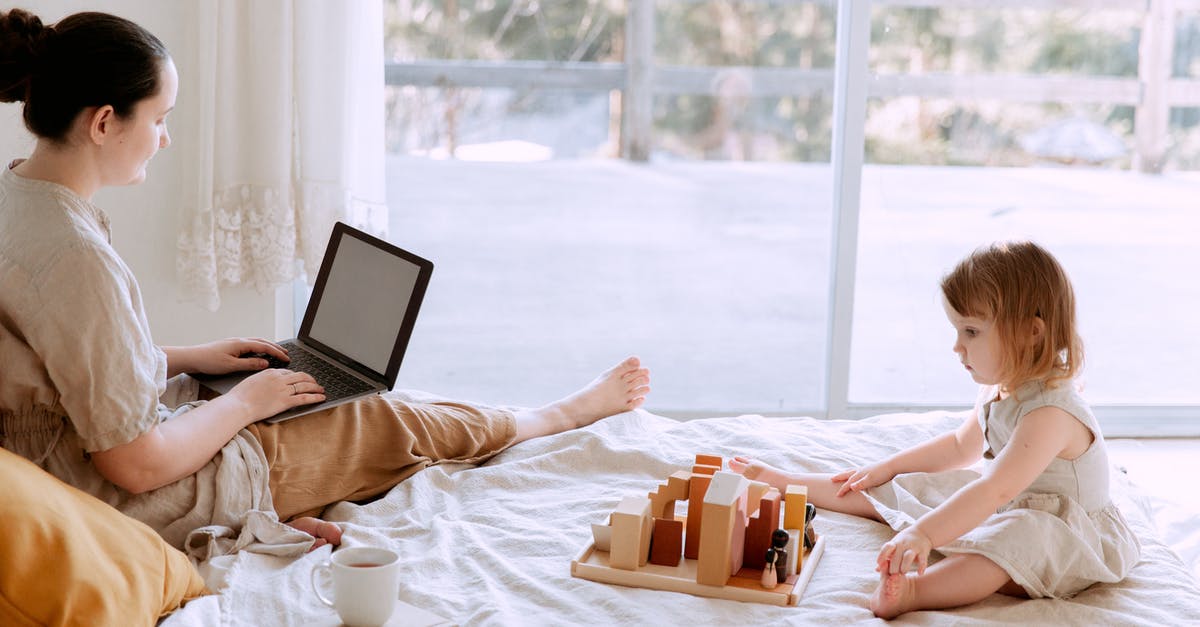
{"x": 554, "y": 259}
{"x": 948, "y": 174}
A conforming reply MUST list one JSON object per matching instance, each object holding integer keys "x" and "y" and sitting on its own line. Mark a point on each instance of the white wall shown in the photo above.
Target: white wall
{"x": 145, "y": 218}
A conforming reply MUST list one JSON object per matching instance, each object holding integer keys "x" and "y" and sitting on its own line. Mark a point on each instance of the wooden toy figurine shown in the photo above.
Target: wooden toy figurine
{"x": 769, "y": 578}
{"x": 779, "y": 541}
{"x": 810, "y": 539}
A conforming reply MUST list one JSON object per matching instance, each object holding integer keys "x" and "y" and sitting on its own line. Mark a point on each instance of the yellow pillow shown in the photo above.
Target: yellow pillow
{"x": 67, "y": 558}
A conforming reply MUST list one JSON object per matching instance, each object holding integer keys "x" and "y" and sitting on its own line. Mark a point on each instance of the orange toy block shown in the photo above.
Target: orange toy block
{"x": 632, "y": 527}
{"x": 701, "y": 469}
{"x": 667, "y": 547}
{"x": 697, "y": 487}
{"x": 760, "y": 528}
{"x": 662, "y": 500}
{"x": 710, "y": 460}
{"x": 722, "y": 536}
{"x": 794, "y": 501}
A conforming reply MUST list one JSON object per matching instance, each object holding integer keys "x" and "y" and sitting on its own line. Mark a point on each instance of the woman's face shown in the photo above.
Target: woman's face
{"x": 139, "y": 137}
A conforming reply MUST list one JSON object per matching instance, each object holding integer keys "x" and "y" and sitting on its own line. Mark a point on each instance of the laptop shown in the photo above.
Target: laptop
{"x": 359, "y": 319}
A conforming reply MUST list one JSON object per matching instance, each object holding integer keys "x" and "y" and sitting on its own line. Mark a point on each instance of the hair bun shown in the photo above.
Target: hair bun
{"x": 22, "y": 39}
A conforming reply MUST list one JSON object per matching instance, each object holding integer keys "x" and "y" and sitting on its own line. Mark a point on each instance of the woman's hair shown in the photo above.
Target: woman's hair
{"x": 85, "y": 60}
{"x": 1012, "y": 284}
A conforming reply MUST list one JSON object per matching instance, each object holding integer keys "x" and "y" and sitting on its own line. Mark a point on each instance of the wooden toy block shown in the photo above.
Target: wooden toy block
{"x": 760, "y": 528}
{"x": 755, "y": 493}
{"x": 795, "y": 550}
{"x": 662, "y": 500}
{"x": 697, "y": 487}
{"x": 710, "y": 460}
{"x": 722, "y": 536}
{"x": 602, "y": 536}
{"x": 701, "y": 469}
{"x": 794, "y": 501}
{"x": 666, "y": 548}
{"x": 632, "y": 527}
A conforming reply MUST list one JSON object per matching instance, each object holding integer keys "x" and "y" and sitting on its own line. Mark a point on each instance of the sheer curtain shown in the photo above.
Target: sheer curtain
{"x": 291, "y": 114}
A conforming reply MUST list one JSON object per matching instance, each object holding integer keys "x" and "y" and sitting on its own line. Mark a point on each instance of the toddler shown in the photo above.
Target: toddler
{"x": 1038, "y": 521}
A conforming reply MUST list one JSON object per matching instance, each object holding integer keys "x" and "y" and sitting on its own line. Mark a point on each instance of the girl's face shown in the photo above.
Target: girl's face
{"x": 139, "y": 137}
{"x": 977, "y": 345}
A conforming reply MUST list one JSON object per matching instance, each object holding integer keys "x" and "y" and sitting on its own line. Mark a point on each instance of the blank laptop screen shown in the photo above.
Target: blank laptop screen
{"x": 364, "y": 302}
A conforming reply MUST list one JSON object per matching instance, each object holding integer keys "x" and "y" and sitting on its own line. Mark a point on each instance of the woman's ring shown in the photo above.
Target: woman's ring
{"x": 294, "y": 391}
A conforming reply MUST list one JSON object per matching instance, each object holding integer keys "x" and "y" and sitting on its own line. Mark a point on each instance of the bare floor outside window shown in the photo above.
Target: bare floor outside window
{"x": 717, "y": 274}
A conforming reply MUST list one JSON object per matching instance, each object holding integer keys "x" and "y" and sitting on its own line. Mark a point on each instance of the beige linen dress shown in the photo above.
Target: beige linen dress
{"x": 1059, "y": 536}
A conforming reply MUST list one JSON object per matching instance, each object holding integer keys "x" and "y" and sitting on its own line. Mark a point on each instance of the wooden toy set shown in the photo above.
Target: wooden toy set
{"x": 731, "y": 544}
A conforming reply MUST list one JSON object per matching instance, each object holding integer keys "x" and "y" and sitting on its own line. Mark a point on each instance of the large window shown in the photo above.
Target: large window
{"x": 595, "y": 178}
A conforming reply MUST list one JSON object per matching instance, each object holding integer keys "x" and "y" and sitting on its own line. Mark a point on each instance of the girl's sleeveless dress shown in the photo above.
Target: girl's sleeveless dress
{"x": 1059, "y": 536}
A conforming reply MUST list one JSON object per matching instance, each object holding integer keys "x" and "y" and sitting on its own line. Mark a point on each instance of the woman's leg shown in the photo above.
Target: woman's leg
{"x": 620, "y": 388}
{"x": 822, "y": 492}
{"x": 959, "y": 579}
{"x": 361, "y": 449}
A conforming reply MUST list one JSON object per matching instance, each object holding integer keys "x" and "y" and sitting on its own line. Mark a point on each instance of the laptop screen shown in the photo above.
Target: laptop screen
{"x": 365, "y": 300}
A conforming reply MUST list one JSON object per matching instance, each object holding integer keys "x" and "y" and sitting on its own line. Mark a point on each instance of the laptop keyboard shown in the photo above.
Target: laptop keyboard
{"x": 337, "y": 383}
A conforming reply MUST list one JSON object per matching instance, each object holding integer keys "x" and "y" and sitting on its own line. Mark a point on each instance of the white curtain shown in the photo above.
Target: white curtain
{"x": 291, "y": 117}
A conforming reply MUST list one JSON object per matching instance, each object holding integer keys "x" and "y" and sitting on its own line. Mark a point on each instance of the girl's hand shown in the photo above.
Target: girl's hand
{"x": 859, "y": 479}
{"x": 907, "y": 549}
{"x": 269, "y": 392}
{"x": 224, "y": 356}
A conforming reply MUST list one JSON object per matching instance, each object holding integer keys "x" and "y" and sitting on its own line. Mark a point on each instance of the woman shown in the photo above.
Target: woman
{"x": 84, "y": 379}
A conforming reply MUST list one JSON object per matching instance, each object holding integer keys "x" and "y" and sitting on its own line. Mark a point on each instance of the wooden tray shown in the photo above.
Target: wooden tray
{"x": 592, "y": 564}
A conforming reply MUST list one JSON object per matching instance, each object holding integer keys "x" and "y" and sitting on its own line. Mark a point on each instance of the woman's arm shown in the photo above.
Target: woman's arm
{"x": 179, "y": 447}
{"x": 220, "y": 357}
{"x": 1041, "y": 436}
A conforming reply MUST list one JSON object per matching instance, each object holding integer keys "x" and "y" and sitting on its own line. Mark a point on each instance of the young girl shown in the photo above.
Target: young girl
{"x": 1038, "y": 521}
{"x": 83, "y": 378}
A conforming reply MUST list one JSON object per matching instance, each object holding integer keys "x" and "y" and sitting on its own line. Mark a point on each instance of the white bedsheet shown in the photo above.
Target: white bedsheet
{"x": 492, "y": 545}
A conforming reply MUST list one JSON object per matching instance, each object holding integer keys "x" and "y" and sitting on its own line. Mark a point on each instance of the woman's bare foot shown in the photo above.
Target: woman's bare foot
{"x": 325, "y": 532}
{"x": 618, "y": 389}
{"x": 755, "y": 470}
{"x": 894, "y": 596}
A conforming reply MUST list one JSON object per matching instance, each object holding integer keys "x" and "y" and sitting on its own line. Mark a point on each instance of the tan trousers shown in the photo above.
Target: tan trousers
{"x": 361, "y": 449}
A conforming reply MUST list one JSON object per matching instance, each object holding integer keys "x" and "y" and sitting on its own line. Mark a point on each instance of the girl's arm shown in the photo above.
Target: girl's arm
{"x": 953, "y": 449}
{"x": 1041, "y": 436}
{"x": 176, "y": 448}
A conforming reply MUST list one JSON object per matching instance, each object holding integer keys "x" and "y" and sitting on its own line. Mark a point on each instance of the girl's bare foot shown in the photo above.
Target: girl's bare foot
{"x": 755, "y": 470}
{"x": 325, "y": 532}
{"x": 894, "y": 596}
{"x": 618, "y": 389}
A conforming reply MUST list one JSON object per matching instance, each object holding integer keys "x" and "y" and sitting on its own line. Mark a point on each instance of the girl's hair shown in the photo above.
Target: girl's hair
{"x": 1012, "y": 284}
{"x": 85, "y": 60}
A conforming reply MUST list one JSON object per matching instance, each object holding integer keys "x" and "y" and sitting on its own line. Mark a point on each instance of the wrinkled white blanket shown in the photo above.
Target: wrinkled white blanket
{"x": 492, "y": 545}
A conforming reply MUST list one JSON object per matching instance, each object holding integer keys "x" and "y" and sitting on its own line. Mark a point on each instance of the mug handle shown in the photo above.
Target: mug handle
{"x": 323, "y": 567}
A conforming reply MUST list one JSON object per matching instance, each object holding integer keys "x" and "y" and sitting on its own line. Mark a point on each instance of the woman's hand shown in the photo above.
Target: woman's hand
{"x": 859, "y": 479}
{"x": 269, "y": 392}
{"x": 908, "y": 548}
{"x": 223, "y": 356}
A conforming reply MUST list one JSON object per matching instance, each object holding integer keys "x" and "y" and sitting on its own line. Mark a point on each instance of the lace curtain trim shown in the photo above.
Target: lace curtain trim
{"x": 253, "y": 235}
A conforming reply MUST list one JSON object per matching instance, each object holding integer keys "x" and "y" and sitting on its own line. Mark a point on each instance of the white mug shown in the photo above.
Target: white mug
{"x": 366, "y": 582}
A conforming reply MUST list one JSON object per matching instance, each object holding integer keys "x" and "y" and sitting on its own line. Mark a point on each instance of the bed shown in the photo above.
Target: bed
{"x": 492, "y": 545}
